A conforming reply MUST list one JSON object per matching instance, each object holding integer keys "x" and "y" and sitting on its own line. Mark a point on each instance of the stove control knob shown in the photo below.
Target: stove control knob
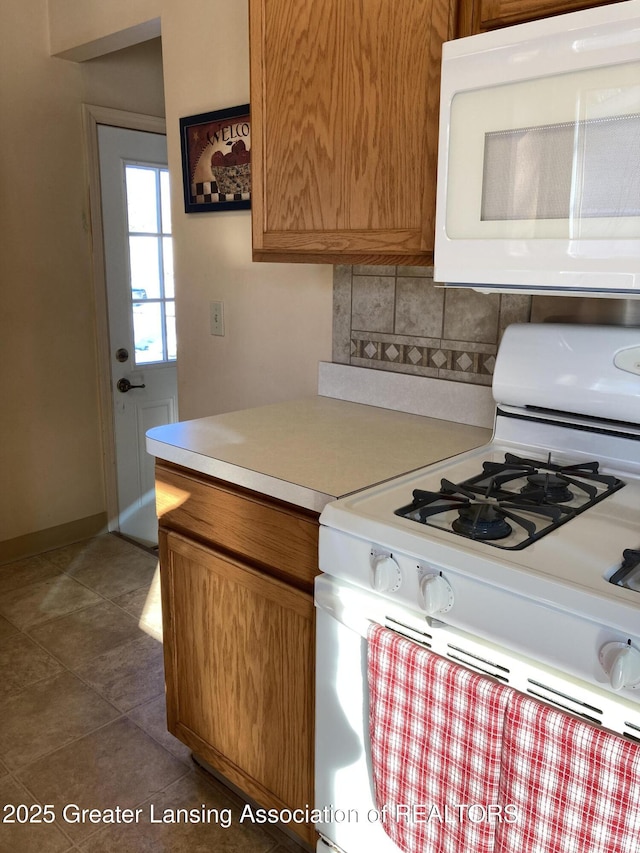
{"x": 385, "y": 573}
{"x": 437, "y": 595}
{"x": 621, "y": 661}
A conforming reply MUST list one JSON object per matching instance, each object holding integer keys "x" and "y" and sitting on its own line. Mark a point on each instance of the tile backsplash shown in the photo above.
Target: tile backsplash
{"x": 397, "y": 319}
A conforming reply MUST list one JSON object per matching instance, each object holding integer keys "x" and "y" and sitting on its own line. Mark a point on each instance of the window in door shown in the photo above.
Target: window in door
{"x": 153, "y": 312}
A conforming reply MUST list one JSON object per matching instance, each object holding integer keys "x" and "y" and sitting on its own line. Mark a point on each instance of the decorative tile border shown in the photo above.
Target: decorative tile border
{"x": 463, "y": 313}
{"x": 439, "y": 361}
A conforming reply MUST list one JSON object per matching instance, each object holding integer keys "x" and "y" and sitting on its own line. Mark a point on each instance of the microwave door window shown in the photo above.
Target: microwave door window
{"x": 527, "y": 173}
{"x": 567, "y": 171}
{"x": 611, "y": 181}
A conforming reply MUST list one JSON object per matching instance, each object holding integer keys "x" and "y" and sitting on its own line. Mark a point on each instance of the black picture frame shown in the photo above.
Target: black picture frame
{"x": 216, "y": 160}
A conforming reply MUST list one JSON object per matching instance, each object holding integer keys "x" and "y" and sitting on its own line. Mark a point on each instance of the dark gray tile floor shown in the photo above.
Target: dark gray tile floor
{"x": 82, "y": 721}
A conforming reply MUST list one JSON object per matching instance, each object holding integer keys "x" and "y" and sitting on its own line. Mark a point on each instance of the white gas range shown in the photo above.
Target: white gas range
{"x": 500, "y": 558}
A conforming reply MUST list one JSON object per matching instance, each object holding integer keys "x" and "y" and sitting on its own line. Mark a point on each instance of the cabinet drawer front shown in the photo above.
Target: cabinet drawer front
{"x": 260, "y": 529}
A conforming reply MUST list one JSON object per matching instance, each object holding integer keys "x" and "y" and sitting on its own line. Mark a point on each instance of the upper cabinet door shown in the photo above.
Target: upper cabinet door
{"x": 344, "y": 110}
{"x": 481, "y": 15}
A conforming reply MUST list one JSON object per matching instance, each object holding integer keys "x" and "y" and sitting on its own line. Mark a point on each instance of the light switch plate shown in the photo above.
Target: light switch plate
{"x": 217, "y": 318}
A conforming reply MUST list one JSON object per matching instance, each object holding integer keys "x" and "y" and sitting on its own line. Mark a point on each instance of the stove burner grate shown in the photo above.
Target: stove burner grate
{"x": 586, "y": 470}
{"x": 485, "y": 509}
{"x": 484, "y": 519}
{"x": 630, "y": 562}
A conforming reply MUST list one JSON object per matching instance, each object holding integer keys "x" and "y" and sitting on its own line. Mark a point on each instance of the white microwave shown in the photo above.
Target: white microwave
{"x": 539, "y": 157}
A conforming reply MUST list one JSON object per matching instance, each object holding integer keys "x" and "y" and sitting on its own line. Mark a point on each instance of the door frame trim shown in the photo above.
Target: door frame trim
{"x": 92, "y": 116}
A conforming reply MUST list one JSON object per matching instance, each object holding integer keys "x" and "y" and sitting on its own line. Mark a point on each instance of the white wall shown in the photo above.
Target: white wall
{"x": 277, "y": 316}
{"x": 50, "y": 455}
{"x": 50, "y": 445}
{"x": 129, "y": 79}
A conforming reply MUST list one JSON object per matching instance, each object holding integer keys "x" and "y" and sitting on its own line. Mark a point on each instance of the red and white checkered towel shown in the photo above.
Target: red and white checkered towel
{"x": 436, "y": 738}
{"x": 576, "y": 788}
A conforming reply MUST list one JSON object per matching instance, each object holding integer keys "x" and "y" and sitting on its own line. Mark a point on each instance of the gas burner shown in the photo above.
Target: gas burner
{"x": 481, "y": 521}
{"x": 547, "y": 488}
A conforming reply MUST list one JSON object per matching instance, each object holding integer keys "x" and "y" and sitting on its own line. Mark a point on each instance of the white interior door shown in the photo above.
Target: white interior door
{"x": 141, "y": 312}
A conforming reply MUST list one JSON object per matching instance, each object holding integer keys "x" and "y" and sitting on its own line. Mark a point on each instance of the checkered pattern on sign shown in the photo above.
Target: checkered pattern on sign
{"x": 207, "y": 191}
{"x": 436, "y": 739}
{"x": 576, "y": 788}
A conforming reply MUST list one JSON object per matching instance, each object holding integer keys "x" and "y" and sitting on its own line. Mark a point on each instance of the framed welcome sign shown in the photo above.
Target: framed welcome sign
{"x": 216, "y": 160}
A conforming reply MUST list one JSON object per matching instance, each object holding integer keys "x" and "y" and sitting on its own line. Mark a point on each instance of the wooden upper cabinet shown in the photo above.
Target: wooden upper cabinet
{"x": 344, "y": 111}
{"x": 481, "y": 15}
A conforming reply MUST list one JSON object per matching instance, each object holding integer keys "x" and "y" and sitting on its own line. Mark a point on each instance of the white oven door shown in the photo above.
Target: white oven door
{"x": 344, "y": 794}
{"x": 344, "y": 785}
{"x": 539, "y": 177}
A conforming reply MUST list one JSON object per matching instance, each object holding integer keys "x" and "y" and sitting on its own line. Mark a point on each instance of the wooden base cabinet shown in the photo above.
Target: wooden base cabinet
{"x": 239, "y": 660}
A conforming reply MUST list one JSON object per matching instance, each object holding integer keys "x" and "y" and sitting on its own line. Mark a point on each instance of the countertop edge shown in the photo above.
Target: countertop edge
{"x": 265, "y": 484}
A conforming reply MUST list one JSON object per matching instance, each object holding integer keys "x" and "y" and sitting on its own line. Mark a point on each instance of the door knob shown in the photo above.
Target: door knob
{"x": 124, "y": 385}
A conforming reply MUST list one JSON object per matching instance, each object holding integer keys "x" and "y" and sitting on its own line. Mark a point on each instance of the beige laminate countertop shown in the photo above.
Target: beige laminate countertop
{"x": 310, "y": 451}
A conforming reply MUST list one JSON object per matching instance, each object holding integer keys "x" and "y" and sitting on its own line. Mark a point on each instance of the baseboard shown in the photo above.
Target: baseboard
{"x": 53, "y": 537}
